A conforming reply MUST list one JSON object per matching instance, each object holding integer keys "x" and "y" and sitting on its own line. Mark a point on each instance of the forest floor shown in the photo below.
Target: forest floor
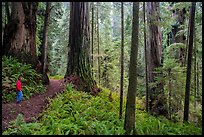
{"x": 32, "y": 107}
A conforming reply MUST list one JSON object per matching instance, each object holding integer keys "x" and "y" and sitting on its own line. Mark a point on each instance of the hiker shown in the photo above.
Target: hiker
{"x": 19, "y": 89}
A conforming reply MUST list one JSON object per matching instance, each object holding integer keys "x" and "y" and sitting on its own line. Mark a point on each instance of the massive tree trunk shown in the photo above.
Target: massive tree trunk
{"x": 79, "y": 52}
{"x": 188, "y": 73}
{"x": 129, "y": 124}
{"x": 20, "y": 32}
{"x": 157, "y": 101}
{"x": 122, "y": 57}
{"x": 44, "y": 44}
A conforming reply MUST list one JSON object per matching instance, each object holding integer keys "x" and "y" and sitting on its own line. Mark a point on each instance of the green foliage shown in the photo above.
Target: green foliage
{"x": 31, "y": 82}
{"x": 56, "y": 77}
{"x": 94, "y": 115}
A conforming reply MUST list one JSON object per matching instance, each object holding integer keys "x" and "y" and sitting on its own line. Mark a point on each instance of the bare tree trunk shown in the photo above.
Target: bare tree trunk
{"x": 92, "y": 40}
{"x": 188, "y": 74}
{"x": 146, "y": 59}
{"x": 122, "y": 57}
{"x": 157, "y": 99}
{"x": 20, "y": 32}
{"x": 79, "y": 53}
{"x": 98, "y": 45}
{"x": 44, "y": 44}
{"x": 195, "y": 71}
{"x": 129, "y": 124}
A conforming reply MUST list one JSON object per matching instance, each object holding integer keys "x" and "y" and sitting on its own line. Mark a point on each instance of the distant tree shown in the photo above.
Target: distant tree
{"x": 20, "y": 32}
{"x": 122, "y": 64}
{"x": 188, "y": 73}
{"x": 92, "y": 36}
{"x": 146, "y": 59}
{"x": 99, "y": 70}
{"x": 129, "y": 124}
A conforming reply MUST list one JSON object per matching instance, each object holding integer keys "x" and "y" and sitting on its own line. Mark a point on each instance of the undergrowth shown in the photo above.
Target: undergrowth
{"x": 78, "y": 113}
{"x": 31, "y": 81}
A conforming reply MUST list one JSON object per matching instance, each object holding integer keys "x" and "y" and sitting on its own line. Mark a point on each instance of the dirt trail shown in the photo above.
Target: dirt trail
{"x": 32, "y": 107}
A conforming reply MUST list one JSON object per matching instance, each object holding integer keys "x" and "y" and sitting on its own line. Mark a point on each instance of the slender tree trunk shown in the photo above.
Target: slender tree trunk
{"x": 188, "y": 74}
{"x": 92, "y": 39}
{"x": 157, "y": 99}
{"x": 122, "y": 67}
{"x": 146, "y": 59}
{"x": 44, "y": 44}
{"x": 20, "y": 32}
{"x": 197, "y": 82}
{"x": 195, "y": 71}
{"x": 98, "y": 45}
{"x": 129, "y": 124}
{"x": 45, "y": 32}
{"x": 170, "y": 107}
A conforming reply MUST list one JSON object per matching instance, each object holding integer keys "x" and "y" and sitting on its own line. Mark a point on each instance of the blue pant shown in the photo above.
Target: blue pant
{"x": 19, "y": 96}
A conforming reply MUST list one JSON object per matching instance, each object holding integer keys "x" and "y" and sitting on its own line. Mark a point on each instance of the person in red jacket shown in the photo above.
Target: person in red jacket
{"x": 19, "y": 89}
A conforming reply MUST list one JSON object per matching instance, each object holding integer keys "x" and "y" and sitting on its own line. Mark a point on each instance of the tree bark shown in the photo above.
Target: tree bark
{"x": 188, "y": 74}
{"x": 157, "y": 99}
{"x": 44, "y": 44}
{"x": 20, "y": 32}
{"x": 122, "y": 67}
{"x": 129, "y": 124}
{"x": 146, "y": 59}
{"x": 79, "y": 51}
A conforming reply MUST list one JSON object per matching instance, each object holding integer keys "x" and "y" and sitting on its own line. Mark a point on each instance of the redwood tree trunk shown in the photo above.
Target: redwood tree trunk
{"x": 20, "y": 32}
{"x": 157, "y": 100}
{"x": 79, "y": 52}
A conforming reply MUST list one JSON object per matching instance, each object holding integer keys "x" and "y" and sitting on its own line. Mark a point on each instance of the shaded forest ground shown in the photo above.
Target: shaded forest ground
{"x": 30, "y": 109}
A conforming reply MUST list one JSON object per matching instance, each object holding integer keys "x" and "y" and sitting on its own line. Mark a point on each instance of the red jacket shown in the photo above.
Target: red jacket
{"x": 18, "y": 85}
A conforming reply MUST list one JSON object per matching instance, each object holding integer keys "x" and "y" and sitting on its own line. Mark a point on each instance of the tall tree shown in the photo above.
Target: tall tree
{"x": 146, "y": 59}
{"x": 79, "y": 42}
{"x": 157, "y": 102}
{"x": 188, "y": 73}
{"x": 129, "y": 125}
{"x": 92, "y": 38}
{"x": 121, "y": 58}
{"x": 98, "y": 44}
{"x": 195, "y": 69}
{"x": 44, "y": 44}
{"x": 20, "y": 33}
